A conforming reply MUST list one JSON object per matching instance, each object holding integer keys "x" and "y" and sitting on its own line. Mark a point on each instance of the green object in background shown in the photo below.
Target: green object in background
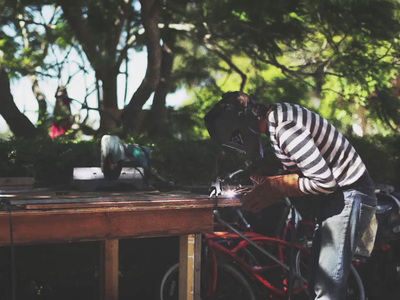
{"x": 138, "y": 155}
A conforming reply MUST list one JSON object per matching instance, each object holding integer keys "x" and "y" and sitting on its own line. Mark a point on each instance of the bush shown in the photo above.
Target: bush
{"x": 191, "y": 162}
{"x": 51, "y": 162}
{"x": 382, "y": 157}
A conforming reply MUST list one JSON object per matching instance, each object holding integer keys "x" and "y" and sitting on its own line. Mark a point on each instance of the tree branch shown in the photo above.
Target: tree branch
{"x": 230, "y": 63}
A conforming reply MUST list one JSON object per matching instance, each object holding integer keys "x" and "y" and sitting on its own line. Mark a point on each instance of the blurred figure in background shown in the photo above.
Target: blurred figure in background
{"x": 63, "y": 118}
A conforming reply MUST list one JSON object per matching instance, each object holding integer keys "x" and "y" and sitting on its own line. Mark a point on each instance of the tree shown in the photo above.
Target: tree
{"x": 98, "y": 27}
{"x": 19, "y": 123}
{"x": 21, "y": 60}
{"x": 337, "y": 54}
{"x": 343, "y": 52}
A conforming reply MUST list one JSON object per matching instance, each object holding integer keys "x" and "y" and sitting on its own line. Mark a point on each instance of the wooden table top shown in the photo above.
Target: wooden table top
{"x": 49, "y": 199}
{"x": 41, "y": 215}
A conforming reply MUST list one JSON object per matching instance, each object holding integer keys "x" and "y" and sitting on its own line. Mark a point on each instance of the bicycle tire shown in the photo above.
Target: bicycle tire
{"x": 273, "y": 277}
{"x": 169, "y": 289}
{"x": 355, "y": 288}
{"x": 354, "y": 285}
{"x": 231, "y": 284}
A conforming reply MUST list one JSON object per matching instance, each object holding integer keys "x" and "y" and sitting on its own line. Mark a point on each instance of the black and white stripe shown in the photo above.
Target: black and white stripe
{"x": 307, "y": 143}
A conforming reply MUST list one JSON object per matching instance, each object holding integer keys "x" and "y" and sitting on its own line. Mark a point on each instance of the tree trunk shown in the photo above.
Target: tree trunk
{"x": 19, "y": 124}
{"x": 110, "y": 115}
{"x": 100, "y": 49}
{"x": 158, "y": 114}
{"x": 150, "y": 16}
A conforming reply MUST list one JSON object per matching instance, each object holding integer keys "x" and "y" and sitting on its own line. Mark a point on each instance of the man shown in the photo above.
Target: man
{"x": 318, "y": 160}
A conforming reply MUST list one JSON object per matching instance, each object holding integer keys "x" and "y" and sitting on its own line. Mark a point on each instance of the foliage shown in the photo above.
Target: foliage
{"x": 49, "y": 161}
{"x": 337, "y": 57}
{"x": 193, "y": 162}
{"x": 381, "y": 156}
{"x": 328, "y": 52}
{"x": 188, "y": 162}
{"x": 24, "y": 42}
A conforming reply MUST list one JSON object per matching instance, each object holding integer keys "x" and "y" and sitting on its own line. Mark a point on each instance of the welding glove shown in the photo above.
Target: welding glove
{"x": 269, "y": 190}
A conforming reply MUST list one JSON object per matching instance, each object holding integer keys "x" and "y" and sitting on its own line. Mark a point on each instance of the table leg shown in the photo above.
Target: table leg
{"x": 109, "y": 269}
{"x": 197, "y": 266}
{"x": 189, "y": 266}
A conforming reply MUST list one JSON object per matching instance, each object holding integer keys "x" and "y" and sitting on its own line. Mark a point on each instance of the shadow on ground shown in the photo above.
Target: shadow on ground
{"x": 71, "y": 271}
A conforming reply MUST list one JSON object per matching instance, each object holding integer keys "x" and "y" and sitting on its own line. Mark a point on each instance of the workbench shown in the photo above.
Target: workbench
{"x": 45, "y": 216}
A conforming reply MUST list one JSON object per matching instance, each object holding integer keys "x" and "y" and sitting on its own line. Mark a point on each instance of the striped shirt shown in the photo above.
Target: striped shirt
{"x": 308, "y": 144}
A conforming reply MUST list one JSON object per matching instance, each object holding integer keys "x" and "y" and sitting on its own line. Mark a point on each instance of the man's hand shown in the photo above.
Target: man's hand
{"x": 268, "y": 190}
{"x": 259, "y": 197}
{"x": 258, "y": 179}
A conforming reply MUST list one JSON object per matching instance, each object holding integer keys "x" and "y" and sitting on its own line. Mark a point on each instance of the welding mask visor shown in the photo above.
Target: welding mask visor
{"x": 233, "y": 125}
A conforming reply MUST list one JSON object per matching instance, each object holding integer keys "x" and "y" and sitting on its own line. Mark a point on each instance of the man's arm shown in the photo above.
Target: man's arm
{"x": 299, "y": 146}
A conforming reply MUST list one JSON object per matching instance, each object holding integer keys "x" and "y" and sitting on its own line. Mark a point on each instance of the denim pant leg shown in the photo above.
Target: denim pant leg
{"x": 343, "y": 223}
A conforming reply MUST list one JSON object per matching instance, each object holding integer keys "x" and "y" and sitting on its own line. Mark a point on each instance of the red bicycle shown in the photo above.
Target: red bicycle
{"x": 238, "y": 263}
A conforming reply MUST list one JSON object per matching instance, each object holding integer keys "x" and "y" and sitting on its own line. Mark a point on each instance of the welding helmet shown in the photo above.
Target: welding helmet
{"x": 231, "y": 123}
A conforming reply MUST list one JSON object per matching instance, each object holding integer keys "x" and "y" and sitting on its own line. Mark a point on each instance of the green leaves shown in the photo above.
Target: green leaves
{"x": 334, "y": 53}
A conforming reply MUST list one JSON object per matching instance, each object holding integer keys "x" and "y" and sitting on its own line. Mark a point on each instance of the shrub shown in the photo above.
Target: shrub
{"x": 51, "y": 162}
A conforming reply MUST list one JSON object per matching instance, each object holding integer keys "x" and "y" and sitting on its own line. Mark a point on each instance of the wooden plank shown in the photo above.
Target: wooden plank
{"x": 7, "y": 183}
{"x": 97, "y": 204}
{"x": 189, "y": 266}
{"x": 186, "y": 264}
{"x": 110, "y": 216}
{"x": 229, "y": 202}
{"x": 63, "y": 200}
{"x": 109, "y": 262}
{"x": 94, "y": 205}
{"x": 92, "y": 225}
{"x": 122, "y": 201}
{"x": 107, "y": 207}
{"x": 197, "y": 267}
{"x": 69, "y": 197}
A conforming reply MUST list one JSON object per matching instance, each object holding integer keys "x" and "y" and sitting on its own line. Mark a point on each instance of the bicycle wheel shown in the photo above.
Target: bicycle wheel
{"x": 354, "y": 285}
{"x": 355, "y": 288}
{"x": 231, "y": 285}
{"x": 169, "y": 289}
{"x": 273, "y": 276}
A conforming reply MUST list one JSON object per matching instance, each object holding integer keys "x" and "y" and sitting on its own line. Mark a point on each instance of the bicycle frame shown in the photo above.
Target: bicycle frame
{"x": 250, "y": 238}
{"x": 286, "y": 238}
{"x": 240, "y": 262}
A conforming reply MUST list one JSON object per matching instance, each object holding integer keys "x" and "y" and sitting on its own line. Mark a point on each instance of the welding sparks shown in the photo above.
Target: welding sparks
{"x": 230, "y": 193}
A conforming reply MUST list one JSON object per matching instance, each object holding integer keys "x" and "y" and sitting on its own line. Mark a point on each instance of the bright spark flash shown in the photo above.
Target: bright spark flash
{"x": 230, "y": 193}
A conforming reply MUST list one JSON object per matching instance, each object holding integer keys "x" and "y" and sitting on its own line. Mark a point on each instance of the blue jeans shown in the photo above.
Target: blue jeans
{"x": 344, "y": 216}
